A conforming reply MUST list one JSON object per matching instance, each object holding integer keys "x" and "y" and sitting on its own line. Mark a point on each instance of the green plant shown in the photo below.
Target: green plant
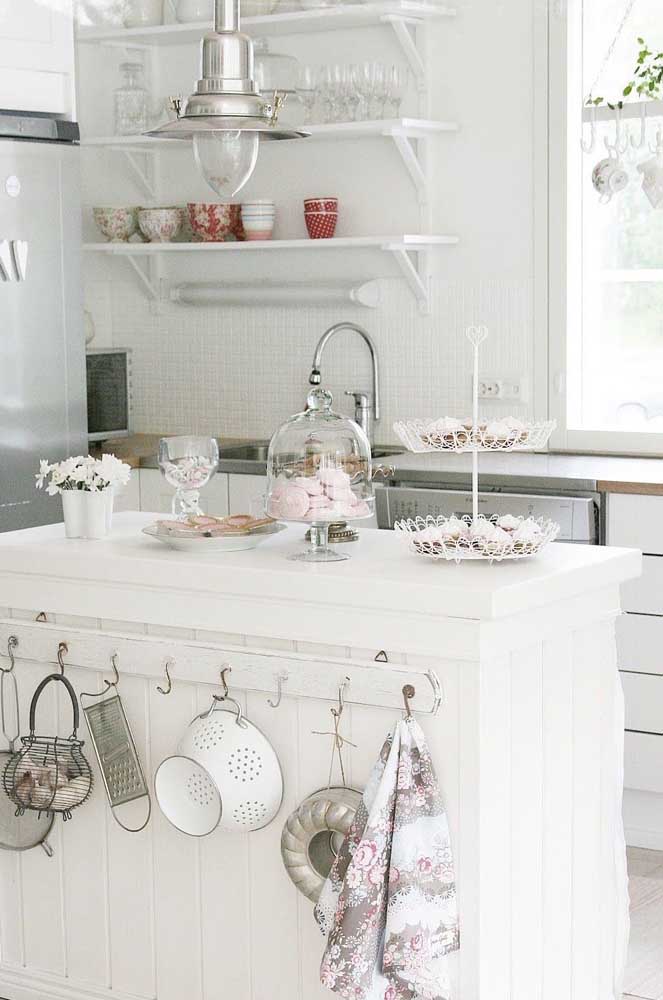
{"x": 647, "y": 78}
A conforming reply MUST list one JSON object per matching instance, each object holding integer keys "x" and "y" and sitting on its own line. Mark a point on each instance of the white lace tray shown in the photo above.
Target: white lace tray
{"x": 489, "y": 539}
{"x": 449, "y": 434}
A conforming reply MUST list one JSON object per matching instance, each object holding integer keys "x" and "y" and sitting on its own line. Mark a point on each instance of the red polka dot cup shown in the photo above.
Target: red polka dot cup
{"x": 321, "y": 225}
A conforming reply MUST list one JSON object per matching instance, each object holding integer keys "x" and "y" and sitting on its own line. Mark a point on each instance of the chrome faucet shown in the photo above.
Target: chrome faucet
{"x": 362, "y": 399}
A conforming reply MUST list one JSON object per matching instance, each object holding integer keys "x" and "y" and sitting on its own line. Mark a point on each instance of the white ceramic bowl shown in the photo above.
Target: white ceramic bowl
{"x": 116, "y": 224}
{"x": 160, "y": 225}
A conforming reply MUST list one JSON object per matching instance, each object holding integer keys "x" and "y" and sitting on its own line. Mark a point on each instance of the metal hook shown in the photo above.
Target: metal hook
{"x": 409, "y": 692}
{"x": 63, "y": 648}
{"x": 41, "y": 617}
{"x": 281, "y": 679}
{"x": 107, "y": 684}
{"x": 658, "y": 148}
{"x": 338, "y": 712}
{"x": 12, "y": 643}
{"x": 643, "y": 128}
{"x": 169, "y": 687}
{"x": 588, "y": 147}
{"x": 620, "y": 145}
{"x": 381, "y": 657}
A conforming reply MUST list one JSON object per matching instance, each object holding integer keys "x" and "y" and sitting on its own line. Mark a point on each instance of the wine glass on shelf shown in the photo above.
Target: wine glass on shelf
{"x": 352, "y": 96}
{"x": 307, "y": 91}
{"x": 397, "y": 80}
{"x": 187, "y": 464}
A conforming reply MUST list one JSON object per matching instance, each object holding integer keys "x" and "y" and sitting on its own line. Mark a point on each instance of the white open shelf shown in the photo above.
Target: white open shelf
{"x": 406, "y": 242}
{"x": 404, "y": 133}
{"x": 410, "y": 127}
{"x": 653, "y": 109}
{"x": 289, "y": 22}
{"x": 406, "y": 249}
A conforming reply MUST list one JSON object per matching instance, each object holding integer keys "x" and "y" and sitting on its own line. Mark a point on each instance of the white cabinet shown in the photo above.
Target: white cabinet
{"x": 37, "y": 56}
{"x": 636, "y": 521}
{"x": 245, "y": 492}
{"x": 157, "y": 496}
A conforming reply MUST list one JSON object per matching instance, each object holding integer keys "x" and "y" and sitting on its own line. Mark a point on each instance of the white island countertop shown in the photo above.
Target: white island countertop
{"x": 129, "y": 574}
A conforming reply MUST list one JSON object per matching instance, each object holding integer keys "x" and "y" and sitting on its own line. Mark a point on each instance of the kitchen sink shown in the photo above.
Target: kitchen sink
{"x": 258, "y": 452}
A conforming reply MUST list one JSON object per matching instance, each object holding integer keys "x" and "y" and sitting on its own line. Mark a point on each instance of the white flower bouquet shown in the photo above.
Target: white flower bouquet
{"x": 87, "y": 487}
{"x": 83, "y": 472}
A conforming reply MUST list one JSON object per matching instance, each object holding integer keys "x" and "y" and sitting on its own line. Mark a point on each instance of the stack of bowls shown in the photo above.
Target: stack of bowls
{"x": 321, "y": 216}
{"x": 258, "y": 219}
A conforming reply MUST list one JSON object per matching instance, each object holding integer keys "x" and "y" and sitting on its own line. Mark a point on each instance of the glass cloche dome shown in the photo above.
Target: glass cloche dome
{"x": 319, "y": 472}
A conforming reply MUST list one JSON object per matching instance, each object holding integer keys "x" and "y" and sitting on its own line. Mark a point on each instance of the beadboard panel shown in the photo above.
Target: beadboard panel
{"x": 116, "y": 916}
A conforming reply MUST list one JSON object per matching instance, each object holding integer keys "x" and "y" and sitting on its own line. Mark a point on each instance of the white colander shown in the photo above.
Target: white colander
{"x": 226, "y": 774}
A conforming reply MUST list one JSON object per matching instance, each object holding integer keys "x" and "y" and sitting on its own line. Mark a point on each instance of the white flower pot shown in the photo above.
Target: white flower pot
{"x": 86, "y": 514}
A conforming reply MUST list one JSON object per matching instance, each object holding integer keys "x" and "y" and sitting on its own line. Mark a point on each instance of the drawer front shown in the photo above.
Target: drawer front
{"x": 643, "y": 694}
{"x": 643, "y": 762}
{"x": 636, "y": 522}
{"x": 645, "y": 595}
{"x": 640, "y": 643}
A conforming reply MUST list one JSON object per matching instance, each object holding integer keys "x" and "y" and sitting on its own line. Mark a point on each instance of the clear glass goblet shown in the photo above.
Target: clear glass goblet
{"x": 187, "y": 464}
{"x": 307, "y": 91}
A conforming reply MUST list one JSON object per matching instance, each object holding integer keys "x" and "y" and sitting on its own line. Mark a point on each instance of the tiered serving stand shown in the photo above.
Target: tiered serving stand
{"x": 476, "y": 537}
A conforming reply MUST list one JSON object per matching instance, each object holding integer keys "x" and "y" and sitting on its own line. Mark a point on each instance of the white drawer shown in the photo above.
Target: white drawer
{"x": 645, "y": 595}
{"x": 643, "y": 694}
{"x": 643, "y": 762}
{"x": 636, "y": 522}
{"x": 640, "y": 643}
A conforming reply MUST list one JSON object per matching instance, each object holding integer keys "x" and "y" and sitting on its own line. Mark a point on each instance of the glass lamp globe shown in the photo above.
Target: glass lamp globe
{"x": 318, "y": 473}
{"x": 226, "y": 159}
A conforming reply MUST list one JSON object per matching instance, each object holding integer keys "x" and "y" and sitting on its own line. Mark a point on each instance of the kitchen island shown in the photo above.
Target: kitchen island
{"x": 527, "y": 744}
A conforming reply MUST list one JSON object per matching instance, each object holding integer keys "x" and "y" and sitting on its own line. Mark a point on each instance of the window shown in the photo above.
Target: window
{"x": 606, "y": 257}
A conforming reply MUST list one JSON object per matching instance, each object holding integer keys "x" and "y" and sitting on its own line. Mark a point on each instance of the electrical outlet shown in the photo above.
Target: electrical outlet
{"x": 506, "y": 388}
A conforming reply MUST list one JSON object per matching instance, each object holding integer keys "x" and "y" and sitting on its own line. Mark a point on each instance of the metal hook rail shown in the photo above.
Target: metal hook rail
{"x": 370, "y": 683}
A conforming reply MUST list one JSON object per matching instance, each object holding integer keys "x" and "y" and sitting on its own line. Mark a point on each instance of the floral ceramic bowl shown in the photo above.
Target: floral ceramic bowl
{"x": 116, "y": 224}
{"x": 160, "y": 225}
{"x": 214, "y": 222}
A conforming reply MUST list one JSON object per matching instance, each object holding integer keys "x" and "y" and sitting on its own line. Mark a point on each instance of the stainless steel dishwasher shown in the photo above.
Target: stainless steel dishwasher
{"x": 577, "y": 515}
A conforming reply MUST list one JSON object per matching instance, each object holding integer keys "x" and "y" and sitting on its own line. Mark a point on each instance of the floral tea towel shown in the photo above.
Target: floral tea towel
{"x": 389, "y": 904}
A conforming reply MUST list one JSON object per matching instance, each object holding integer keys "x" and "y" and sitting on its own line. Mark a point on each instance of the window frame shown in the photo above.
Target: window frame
{"x": 556, "y": 293}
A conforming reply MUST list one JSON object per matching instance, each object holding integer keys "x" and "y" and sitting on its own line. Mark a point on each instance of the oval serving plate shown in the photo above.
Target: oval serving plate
{"x": 206, "y": 546}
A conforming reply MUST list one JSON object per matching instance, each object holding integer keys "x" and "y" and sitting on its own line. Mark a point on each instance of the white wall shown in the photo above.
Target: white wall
{"x": 240, "y": 371}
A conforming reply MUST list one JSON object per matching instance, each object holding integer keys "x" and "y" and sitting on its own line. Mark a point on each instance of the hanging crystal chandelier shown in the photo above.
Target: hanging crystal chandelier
{"x": 227, "y": 117}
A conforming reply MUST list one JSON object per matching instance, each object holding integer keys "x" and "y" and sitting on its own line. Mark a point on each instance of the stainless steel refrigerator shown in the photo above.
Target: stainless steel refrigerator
{"x": 42, "y": 350}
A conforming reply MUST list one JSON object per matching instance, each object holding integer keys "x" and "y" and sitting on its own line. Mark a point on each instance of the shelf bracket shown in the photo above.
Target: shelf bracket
{"x": 144, "y": 177}
{"x": 405, "y": 31}
{"x": 146, "y": 278}
{"x": 414, "y": 270}
{"x": 409, "y": 154}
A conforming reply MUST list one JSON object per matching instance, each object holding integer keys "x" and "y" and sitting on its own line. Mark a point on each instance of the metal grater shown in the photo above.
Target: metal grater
{"x": 115, "y": 751}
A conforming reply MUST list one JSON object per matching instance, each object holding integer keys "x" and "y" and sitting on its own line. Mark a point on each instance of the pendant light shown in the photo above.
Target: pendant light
{"x": 227, "y": 117}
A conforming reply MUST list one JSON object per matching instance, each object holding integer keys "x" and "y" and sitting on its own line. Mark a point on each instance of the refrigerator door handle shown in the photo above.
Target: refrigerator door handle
{"x": 6, "y": 266}
{"x": 20, "y": 258}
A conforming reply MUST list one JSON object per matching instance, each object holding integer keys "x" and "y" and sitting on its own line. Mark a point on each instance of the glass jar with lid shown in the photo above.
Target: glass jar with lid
{"x": 274, "y": 70}
{"x": 319, "y": 472}
{"x": 131, "y": 101}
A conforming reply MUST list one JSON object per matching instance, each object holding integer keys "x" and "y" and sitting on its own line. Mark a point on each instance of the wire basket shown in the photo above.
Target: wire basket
{"x": 449, "y": 434}
{"x": 492, "y": 539}
{"x": 49, "y": 774}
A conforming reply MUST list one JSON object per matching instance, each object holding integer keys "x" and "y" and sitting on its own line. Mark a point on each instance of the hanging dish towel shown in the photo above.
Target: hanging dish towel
{"x": 389, "y": 904}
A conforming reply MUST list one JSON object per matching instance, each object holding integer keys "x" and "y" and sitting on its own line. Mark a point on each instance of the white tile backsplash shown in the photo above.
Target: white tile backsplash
{"x": 240, "y": 371}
